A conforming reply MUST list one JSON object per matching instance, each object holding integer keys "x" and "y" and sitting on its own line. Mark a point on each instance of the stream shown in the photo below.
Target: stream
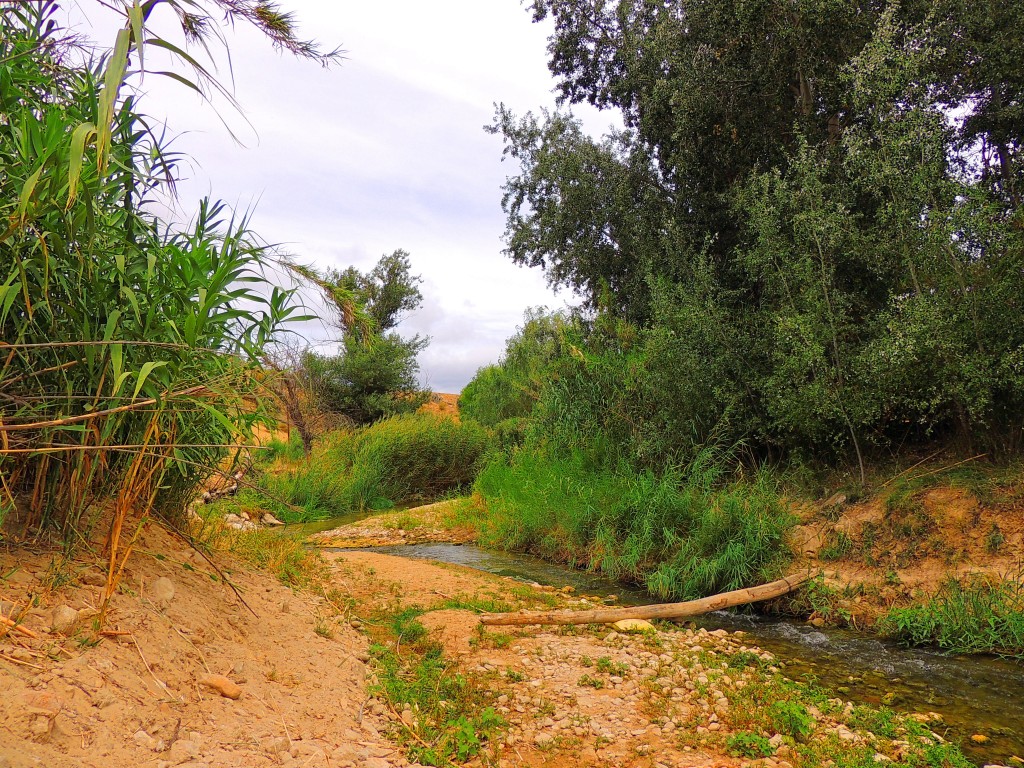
{"x": 974, "y": 694}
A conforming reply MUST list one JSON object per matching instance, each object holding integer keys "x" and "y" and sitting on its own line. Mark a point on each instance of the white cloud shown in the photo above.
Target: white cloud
{"x": 385, "y": 151}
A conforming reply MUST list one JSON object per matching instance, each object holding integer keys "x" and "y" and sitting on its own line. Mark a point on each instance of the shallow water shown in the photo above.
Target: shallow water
{"x": 974, "y": 694}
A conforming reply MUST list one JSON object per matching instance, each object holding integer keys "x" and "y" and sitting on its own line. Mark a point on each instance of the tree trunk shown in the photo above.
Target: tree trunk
{"x": 662, "y": 611}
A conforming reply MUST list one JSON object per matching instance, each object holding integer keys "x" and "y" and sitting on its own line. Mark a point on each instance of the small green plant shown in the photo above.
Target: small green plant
{"x": 994, "y": 540}
{"x": 606, "y": 665}
{"x": 792, "y": 719}
{"x": 514, "y": 676}
{"x": 590, "y": 682}
{"x": 744, "y": 659}
{"x": 748, "y": 744}
{"x": 838, "y": 545}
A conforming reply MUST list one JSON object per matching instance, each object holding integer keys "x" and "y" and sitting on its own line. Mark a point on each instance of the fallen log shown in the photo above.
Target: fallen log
{"x": 661, "y": 611}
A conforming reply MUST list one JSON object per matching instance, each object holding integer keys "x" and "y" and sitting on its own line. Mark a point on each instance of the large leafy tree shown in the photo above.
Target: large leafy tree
{"x": 816, "y": 200}
{"x": 376, "y": 372}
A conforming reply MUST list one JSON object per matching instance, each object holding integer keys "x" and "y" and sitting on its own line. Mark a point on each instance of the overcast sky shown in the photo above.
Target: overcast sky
{"x": 384, "y": 151}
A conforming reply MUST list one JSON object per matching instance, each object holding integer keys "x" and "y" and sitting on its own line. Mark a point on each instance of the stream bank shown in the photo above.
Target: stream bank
{"x": 979, "y": 697}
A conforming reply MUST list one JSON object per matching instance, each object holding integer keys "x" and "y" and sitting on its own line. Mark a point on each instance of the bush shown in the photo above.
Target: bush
{"x": 415, "y": 457}
{"x": 411, "y": 458}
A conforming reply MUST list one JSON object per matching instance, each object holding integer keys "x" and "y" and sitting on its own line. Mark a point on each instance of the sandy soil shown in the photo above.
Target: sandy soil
{"x": 898, "y": 556}
{"x": 442, "y": 404}
{"x": 137, "y": 699}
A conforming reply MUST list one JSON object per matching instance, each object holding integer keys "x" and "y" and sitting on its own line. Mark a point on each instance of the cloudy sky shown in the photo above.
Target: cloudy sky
{"x": 384, "y": 151}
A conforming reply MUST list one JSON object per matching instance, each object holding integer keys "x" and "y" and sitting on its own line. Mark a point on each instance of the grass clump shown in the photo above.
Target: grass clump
{"x": 969, "y": 616}
{"x": 682, "y": 534}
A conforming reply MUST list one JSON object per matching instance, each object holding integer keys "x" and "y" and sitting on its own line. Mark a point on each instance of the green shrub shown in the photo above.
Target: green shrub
{"x": 409, "y": 458}
{"x": 792, "y": 719}
{"x": 747, "y": 744}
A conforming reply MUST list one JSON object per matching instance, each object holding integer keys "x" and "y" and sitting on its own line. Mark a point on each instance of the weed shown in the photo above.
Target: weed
{"x": 606, "y": 665}
{"x": 973, "y": 616}
{"x": 455, "y": 721}
{"x": 792, "y": 719}
{"x": 743, "y": 659}
{"x": 514, "y": 676}
{"x": 994, "y": 540}
{"x": 591, "y": 682}
{"x": 838, "y": 545}
{"x": 747, "y": 744}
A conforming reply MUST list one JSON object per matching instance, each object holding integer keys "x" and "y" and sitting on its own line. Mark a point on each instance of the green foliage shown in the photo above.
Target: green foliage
{"x": 972, "y": 616}
{"x": 792, "y": 719}
{"x": 401, "y": 460}
{"x": 838, "y": 545}
{"x": 131, "y": 368}
{"x": 375, "y": 375}
{"x": 510, "y": 389}
{"x": 368, "y": 380}
{"x": 681, "y": 535}
{"x": 747, "y": 744}
{"x": 813, "y": 254}
{"x": 452, "y": 722}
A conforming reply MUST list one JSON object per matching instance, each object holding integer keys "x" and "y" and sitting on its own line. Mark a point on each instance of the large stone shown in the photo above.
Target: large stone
{"x": 634, "y": 625}
{"x": 63, "y": 620}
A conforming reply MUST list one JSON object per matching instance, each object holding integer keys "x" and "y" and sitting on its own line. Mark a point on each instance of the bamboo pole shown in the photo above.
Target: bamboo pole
{"x": 662, "y": 611}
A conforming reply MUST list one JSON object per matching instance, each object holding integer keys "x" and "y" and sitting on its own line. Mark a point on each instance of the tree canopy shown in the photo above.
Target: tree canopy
{"x": 817, "y": 201}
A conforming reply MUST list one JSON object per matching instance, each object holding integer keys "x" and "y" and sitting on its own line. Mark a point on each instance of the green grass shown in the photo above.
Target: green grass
{"x": 452, "y": 717}
{"x": 971, "y": 616}
{"x": 682, "y": 535}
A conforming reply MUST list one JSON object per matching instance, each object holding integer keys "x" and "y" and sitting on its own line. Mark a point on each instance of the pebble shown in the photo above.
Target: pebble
{"x": 182, "y": 751}
{"x": 979, "y": 738}
{"x": 222, "y": 685}
{"x": 146, "y": 741}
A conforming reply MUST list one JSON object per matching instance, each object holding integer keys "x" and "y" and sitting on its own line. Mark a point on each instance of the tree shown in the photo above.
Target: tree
{"x": 376, "y": 371}
{"x": 815, "y": 248}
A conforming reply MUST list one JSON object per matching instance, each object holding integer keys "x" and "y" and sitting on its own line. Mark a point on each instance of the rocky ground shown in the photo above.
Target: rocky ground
{"x": 194, "y": 679}
{"x": 429, "y": 523}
